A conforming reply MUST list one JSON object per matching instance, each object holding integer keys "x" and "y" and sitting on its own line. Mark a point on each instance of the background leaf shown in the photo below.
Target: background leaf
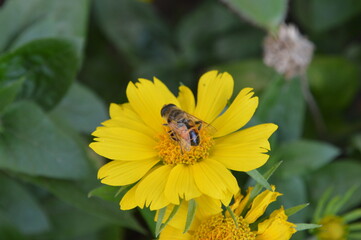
{"x": 36, "y": 19}
{"x": 81, "y": 109}
{"x": 341, "y": 182}
{"x": 30, "y": 143}
{"x": 48, "y": 67}
{"x": 302, "y": 157}
{"x": 256, "y": 11}
{"x": 76, "y": 195}
{"x": 282, "y": 103}
{"x": 9, "y": 92}
{"x": 20, "y": 208}
{"x": 322, "y": 15}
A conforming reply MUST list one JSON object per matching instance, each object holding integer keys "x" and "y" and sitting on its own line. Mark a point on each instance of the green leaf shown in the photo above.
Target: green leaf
{"x": 9, "y": 92}
{"x": 331, "y": 76}
{"x": 48, "y": 67}
{"x": 268, "y": 14}
{"x": 149, "y": 217}
{"x": 30, "y": 143}
{"x": 69, "y": 222}
{"x": 282, "y": 103}
{"x": 254, "y": 174}
{"x": 295, "y": 209}
{"x": 323, "y": 15}
{"x": 109, "y": 193}
{"x": 333, "y": 175}
{"x": 134, "y": 28}
{"x": 8, "y": 231}
{"x": 306, "y": 226}
{"x": 74, "y": 194}
{"x": 38, "y": 19}
{"x": 81, "y": 109}
{"x": 304, "y": 156}
{"x": 225, "y": 38}
{"x": 192, "y": 207}
{"x": 20, "y": 208}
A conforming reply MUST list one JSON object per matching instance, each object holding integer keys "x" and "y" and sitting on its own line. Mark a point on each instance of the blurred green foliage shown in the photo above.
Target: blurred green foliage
{"x": 63, "y": 62}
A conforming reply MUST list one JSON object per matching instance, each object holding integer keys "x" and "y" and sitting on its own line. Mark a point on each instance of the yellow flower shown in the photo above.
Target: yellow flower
{"x": 332, "y": 228}
{"x": 145, "y": 153}
{"x": 221, "y": 226}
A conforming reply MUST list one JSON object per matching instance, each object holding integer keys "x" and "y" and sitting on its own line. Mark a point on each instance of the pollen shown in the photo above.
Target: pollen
{"x": 169, "y": 150}
{"x": 219, "y": 227}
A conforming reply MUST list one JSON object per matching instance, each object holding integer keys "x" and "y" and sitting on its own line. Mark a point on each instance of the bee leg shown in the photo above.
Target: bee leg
{"x": 199, "y": 123}
{"x": 172, "y": 135}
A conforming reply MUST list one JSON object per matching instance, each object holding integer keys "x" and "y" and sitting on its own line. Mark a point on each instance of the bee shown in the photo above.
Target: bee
{"x": 184, "y": 128}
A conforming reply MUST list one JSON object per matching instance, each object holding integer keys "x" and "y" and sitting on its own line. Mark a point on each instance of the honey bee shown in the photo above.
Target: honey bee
{"x": 184, "y": 128}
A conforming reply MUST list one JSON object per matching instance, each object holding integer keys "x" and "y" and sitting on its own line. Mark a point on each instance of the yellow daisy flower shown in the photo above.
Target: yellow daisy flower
{"x": 145, "y": 152}
{"x": 333, "y": 225}
{"x": 222, "y": 226}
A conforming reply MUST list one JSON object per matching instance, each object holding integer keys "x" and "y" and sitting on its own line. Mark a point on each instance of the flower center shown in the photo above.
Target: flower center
{"x": 219, "y": 227}
{"x": 171, "y": 150}
{"x": 333, "y": 228}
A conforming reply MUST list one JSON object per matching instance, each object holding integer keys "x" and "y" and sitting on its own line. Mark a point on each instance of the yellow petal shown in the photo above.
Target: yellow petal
{"x": 120, "y": 173}
{"x": 213, "y": 179}
{"x": 150, "y": 191}
{"x": 123, "y": 116}
{"x": 171, "y": 233}
{"x": 243, "y": 202}
{"x": 129, "y": 201}
{"x": 214, "y": 91}
{"x": 181, "y": 184}
{"x": 276, "y": 227}
{"x": 186, "y": 99}
{"x": 123, "y": 144}
{"x": 147, "y": 99}
{"x": 244, "y": 150}
{"x": 260, "y": 204}
{"x": 238, "y": 114}
{"x": 207, "y": 206}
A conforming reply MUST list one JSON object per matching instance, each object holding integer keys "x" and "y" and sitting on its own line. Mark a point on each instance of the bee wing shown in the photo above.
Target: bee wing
{"x": 185, "y": 146}
{"x": 181, "y": 136}
{"x": 201, "y": 124}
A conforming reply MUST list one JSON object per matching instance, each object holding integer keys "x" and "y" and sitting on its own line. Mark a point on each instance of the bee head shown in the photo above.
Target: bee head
{"x": 165, "y": 109}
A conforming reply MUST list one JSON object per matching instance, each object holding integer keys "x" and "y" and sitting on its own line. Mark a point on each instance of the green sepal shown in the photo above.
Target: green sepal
{"x": 354, "y": 227}
{"x": 320, "y": 205}
{"x": 346, "y": 198}
{"x": 258, "y": 187}
{"x": 353, "y": 215}
{"x": 161, "y": 214}
{"x": 172, "y": 214}
{"x": 330, "y": 207}
{"x": 306, "y": 226}
{"x": 258, "y": 177}
{"x": 235, "y": 220}
{"x": 354, "y": 236}
{"x": 295, "y": 209}
{"x": 192, "y": 207}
